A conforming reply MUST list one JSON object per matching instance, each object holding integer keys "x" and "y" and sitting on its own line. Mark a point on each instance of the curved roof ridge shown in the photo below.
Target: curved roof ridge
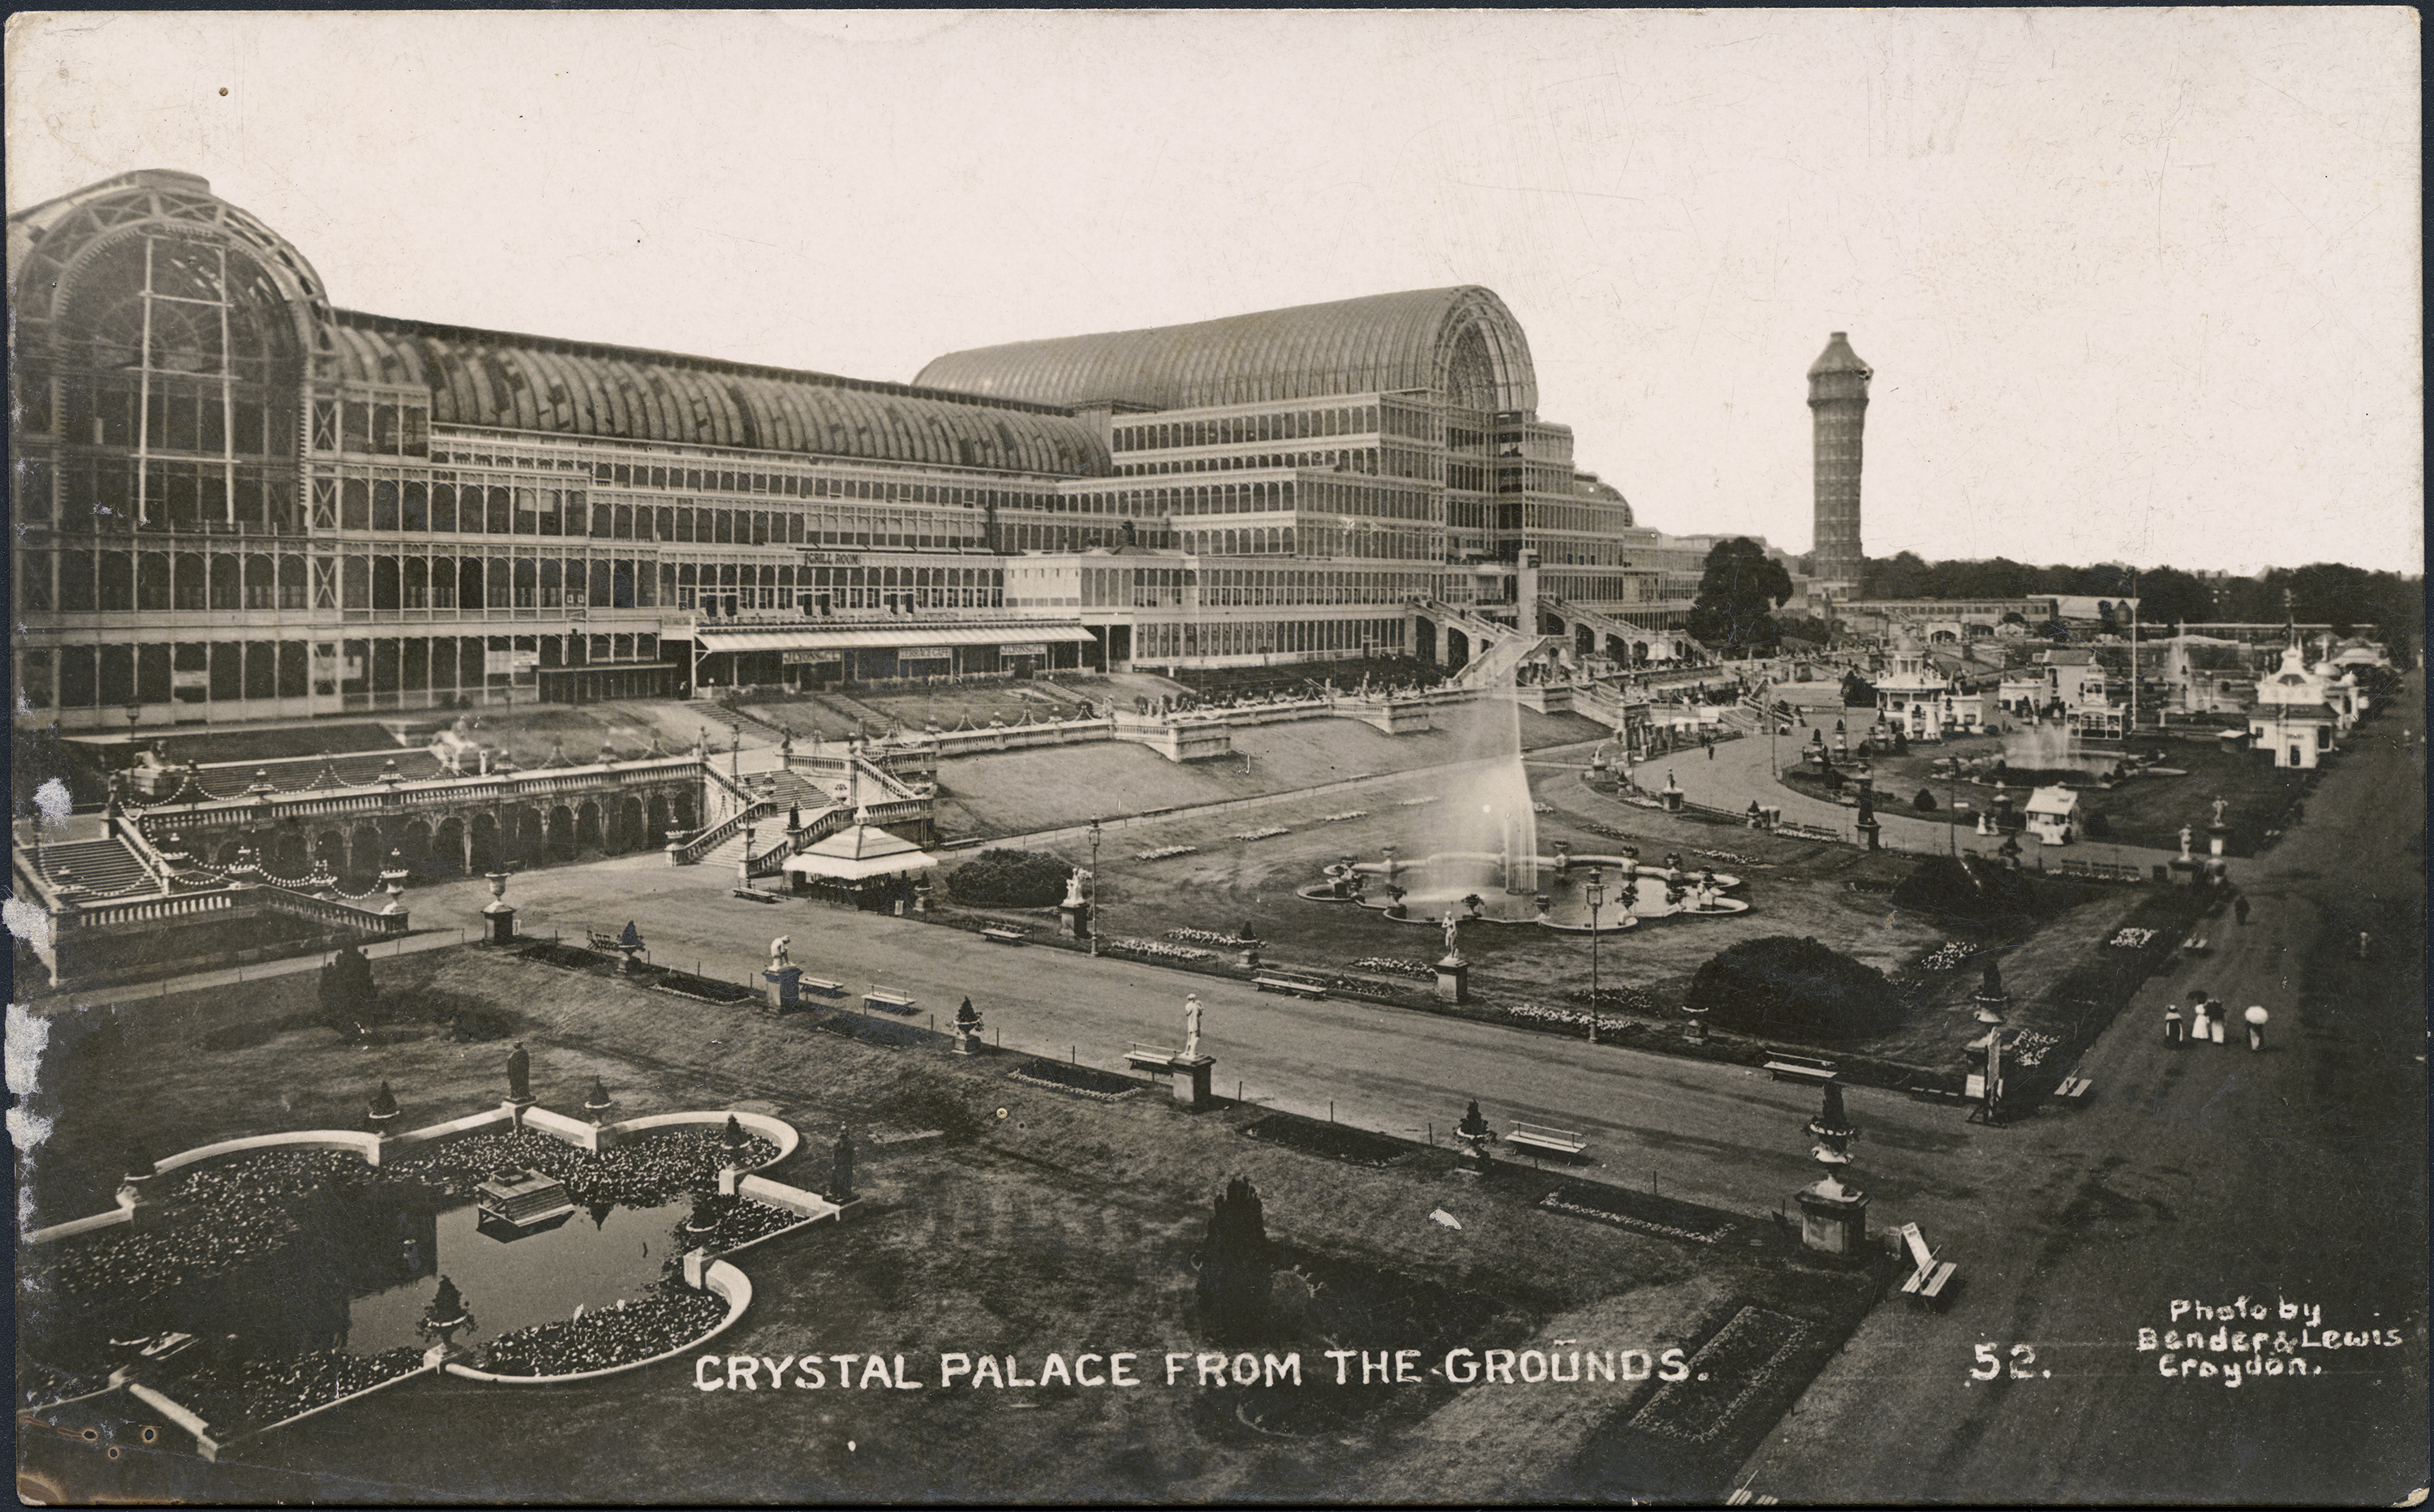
{"x": 1368, "y": 344}
{"x": 403, "y": 325}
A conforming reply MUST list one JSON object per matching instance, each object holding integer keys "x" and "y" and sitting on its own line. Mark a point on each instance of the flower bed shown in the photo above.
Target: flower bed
{"x": 1156, "y": 949}
{"x": 2029, "y": 1048}
{"x": 1544, "y": 1013}
{"x": 1642, "y": 1212}
{"x": 1208, "y": 937}
{"x": 1415, "y": 803}
{"x": 741, "y": 1221}
{"x": 257, "y": 1392}
{"x": 644, "y": 1173}
{"x": 1729, "y": 1369}
{"x": 1163, "y": 852}
{"x": 2132, "y": 939}
{"x": 1944, "y": 956}
{"x": 661, "y": 1319}
{"x": 1260, "y": 834}
{"x": 1331, "y": 1141}
{"x": 1349, "y": 813}
{"x": 1397, "y": 966}
{"x": 1620, "y": 999}
{"x": 1081, "y": 1080}
{"x": 1733, "y": 857}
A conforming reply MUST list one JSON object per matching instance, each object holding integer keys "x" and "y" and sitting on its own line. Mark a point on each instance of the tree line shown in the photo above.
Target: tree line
{"x": 2330, "y": 593}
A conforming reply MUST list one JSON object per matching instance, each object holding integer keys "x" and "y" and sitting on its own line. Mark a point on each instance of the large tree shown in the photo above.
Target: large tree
{"x": 1740, "y": 584}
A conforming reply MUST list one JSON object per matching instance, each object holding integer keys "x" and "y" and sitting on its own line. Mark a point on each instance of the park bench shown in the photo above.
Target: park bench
{"x": 1801, "y": 1068}
{"x": 1158, "y": 1059}
{"x": 1296, "y": 985}
{"x": 819, "y": 987}
{"x": 887, "y": 1000}
{"x": 756, "y": 895}
{"x": 2073, "y": 1089}
{"x": 605, "y": 943}
{"x": 1930, "y": 1277}
{"x": 2196, "y": 946}
{"x": 1006, "y": 934}
{"x": 1555, "y": 1141}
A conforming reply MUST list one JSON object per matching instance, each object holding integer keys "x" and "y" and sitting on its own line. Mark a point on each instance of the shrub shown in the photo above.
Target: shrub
{"x": 1924, "y": 801}
{"x": 2097, "y": 825}
{"x": 1798, "y": 988}
{"x": 1971, "y": 889}
{"x": 1009, "y": 879}
{"x": 348, "y": 999}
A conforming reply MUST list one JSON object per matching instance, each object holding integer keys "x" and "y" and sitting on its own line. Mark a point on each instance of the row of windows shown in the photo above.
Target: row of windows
{"x": 99, "y": 496}
{"x": 375, "y": 429}
{"x": 1228, "y": 586}
{"x": 108, "y": 582}
{"x": 1364, "y": 459}
{"x": 1238, "y": 429}
{"x": 225, "y": 670}
{"x": 177, "y": 415}
{"x": 1264, "y": 638}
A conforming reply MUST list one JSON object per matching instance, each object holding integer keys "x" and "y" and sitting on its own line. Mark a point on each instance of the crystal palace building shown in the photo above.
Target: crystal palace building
{"x": 233, "y": 500}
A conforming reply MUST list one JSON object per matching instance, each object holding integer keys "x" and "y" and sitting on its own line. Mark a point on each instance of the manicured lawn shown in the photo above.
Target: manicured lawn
{"x": 1035, "y": 1223}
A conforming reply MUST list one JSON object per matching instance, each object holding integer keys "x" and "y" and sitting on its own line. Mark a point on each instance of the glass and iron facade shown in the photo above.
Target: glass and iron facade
{"x": 235, "y": 501}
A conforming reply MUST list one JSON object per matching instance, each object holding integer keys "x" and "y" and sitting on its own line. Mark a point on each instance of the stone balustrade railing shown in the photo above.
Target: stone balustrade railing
{"x": 374, "y": 797}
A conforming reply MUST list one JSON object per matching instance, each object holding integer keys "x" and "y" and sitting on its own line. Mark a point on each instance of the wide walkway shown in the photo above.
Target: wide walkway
{"x": 1743, "y": 769}
{"x": 2202, "y": 1174}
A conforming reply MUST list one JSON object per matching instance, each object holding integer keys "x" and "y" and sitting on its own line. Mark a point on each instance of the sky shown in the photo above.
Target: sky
{"x": 2137, "y": 286}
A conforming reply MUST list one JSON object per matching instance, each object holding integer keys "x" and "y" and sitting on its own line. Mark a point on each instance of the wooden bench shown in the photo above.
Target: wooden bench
{"x": 819, "y": 987}
{"x": 2196, "y": 946}
{"x": 1801, "y": 1068}
{"x": 887, "y": 1000}
{"x": 605, "y": 943}
{"x": 1158, "y": 1059}
{"x": 756, "y": 895}
{"x": 1930, "y": 1277}
{"x": 1006, "y": 934}
{"x": 1294, "y": 985}
{"x": 2073, "y": 1089}
{"x": 1556, "y": 1140}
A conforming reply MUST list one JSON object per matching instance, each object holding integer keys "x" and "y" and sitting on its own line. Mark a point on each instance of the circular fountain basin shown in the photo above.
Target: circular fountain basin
{"x": 1447, "y": 881}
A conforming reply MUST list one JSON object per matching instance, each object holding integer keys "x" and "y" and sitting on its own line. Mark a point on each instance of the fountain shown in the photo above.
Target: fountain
{"x": 1477, "y": 858}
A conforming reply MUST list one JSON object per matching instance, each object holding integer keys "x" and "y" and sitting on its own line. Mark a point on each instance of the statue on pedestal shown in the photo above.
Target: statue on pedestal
{"x": 777, "y": 956}
{"x": 2185, "y": 833}
{"x": 1452, "y": 932}
{"x": 1191, "y": 1026}
{"x": 2219, "y": 805}
{"x": 1074, "y": 885}
{"x": 520, "y": 1074}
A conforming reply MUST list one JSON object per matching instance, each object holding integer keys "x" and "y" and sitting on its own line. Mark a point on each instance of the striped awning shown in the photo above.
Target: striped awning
{"x": 878, "y": 637}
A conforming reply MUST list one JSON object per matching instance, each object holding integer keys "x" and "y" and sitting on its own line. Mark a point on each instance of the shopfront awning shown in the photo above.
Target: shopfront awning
{"x": 877, "y": 637}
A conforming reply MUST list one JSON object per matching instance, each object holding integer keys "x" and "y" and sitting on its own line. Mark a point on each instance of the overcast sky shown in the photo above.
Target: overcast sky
{"x": 2137, "y": 286}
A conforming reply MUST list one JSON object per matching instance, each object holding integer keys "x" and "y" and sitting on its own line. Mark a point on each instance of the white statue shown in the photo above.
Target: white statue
{"x": 2219, "y": 805}
{"x": 1073, "y": 887}
{"x": 778, "y": 961}
{"x": 1191, "y": 1026}
{"x": 1452, "y": 928}
{"x": 2185, "y": 843}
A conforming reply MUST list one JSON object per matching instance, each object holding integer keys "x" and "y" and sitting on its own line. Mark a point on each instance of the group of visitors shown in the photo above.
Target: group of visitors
{"x": 2209, "y": 1023}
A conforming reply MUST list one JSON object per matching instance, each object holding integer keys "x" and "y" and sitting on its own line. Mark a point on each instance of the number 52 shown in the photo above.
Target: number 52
{"x": 2022, "y": 1357}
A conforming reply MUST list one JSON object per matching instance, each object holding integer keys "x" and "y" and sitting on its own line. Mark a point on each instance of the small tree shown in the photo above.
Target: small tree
{"x": 1924, "y": 801}
{"x": 1235, "y": 1266}
{"x": 348, "y": 996}
{"x": 1858, "y": 692}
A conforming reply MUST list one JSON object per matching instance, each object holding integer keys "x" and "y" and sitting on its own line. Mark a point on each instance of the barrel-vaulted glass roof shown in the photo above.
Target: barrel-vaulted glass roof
{"x": 490, "y": 378}
{"x": 1460, "y": 342}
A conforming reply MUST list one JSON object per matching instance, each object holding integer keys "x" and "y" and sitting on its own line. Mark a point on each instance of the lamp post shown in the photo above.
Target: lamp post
{"x": 1094, "y": 885}
{"x": 1596, "y": 895}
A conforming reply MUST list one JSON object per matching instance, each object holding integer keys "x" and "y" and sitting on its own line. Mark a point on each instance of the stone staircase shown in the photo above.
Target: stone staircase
{"x": 100, "y": 866}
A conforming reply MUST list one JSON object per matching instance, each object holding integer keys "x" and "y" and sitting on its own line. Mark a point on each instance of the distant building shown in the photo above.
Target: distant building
{"x": 2294, "y": 719}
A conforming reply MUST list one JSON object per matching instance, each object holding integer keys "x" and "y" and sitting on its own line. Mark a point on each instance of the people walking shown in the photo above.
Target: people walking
{"x": 2172, "y": 1026}
{"x": 2239, "y": 908}
{"x": 2215, "y": 1019}
{"x": 2256, "y": 1017}
{"x": 2197, "y": 1018}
